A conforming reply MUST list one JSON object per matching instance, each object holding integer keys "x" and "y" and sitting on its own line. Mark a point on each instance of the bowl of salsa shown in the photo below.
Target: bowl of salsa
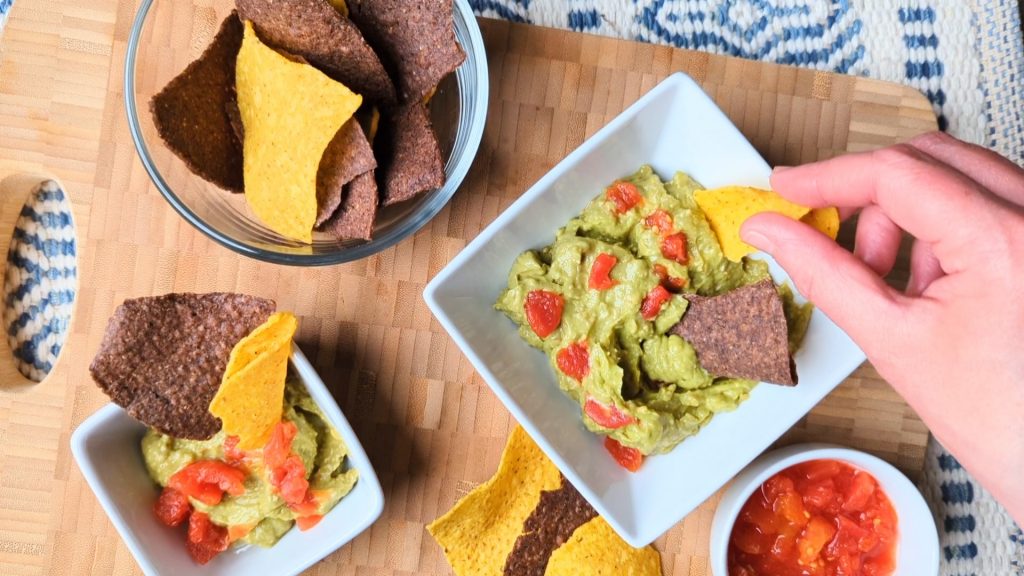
{"x": 820, "y": 510}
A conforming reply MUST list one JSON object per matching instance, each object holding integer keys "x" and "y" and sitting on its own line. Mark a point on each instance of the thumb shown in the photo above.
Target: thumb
{"x": 838, "y": 283}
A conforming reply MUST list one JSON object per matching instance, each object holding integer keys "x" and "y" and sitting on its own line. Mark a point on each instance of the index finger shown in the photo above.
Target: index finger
{"x": 926, "y": 198}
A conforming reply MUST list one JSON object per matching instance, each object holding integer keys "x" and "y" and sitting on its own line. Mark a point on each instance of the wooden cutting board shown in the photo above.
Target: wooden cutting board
{"x": 431, "y": 426}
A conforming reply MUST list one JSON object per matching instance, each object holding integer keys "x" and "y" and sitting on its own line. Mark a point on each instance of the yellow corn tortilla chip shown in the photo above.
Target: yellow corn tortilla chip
{"x": 729, "y": 207}
{"x": 250, "y": 399}
{"x": 478, "y": 533}
{"x": 267, "y": 337}
{"x": 290, "y": 112}
{"x": 340, "y": 6}
{"x": 824, "y": 220}
{"x": 594, "y": 549}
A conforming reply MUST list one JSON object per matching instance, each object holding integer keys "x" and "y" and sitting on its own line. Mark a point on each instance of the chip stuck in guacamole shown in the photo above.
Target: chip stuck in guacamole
{"x": 241, "y": 462}
{"x": 606, "y": 302}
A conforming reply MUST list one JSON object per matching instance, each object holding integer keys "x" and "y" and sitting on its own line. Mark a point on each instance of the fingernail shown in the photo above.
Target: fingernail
{"x": 758, "y": 240}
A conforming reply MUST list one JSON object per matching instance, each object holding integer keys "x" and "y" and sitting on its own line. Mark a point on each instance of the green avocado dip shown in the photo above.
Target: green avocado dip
{"x": 260, "y": 515}
{"x": 610, "y": 351}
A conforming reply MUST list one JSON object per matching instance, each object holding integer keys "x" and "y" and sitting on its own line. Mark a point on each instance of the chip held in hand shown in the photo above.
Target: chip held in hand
{"x": 290, "y": 112}
{"x": 729, "y": 207}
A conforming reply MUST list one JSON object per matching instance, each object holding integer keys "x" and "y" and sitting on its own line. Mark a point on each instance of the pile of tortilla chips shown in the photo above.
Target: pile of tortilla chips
{"x": 284, "y": 105}
{"x": 529, "y": 520}
{"x": 189, "y": 364}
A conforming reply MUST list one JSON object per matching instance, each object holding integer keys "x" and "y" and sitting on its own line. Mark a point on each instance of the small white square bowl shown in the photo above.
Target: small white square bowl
{"x": 673, "y": 127}
{"x": 106, "y": 448}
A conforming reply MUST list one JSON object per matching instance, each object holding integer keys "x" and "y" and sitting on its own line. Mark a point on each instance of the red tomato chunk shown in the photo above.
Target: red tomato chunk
{"x": 600, "y": 272}
{"x": 574, "y": 361}
{"x": 287, "y": 472}
{"x": 607, "y": 415}
{"x": 624, "y": 196}
{"x": 673, "y": 247}
{"x": 205, "y": 539}
{"x": 208, "y": 480}
{"x": 655, "y": 299}
{"x": 628, "y": 458}
{"x": 660, "y": 221}
{"x": 543, "y": 311}
{"x": 172, "y": 507}
{"x": 819, "y": 518}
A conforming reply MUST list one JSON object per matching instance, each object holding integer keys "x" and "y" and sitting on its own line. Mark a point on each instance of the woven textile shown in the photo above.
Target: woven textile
{"x": 965, "y": 56}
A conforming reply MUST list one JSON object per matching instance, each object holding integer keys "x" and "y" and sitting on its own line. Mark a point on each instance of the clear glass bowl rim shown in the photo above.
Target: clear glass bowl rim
{"x": 463, "y": 155}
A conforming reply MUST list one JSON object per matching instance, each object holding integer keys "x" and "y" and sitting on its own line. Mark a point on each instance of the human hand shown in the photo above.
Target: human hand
{"x": 952, "y": 343}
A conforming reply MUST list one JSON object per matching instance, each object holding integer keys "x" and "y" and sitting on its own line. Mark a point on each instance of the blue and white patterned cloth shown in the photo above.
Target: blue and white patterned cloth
{"x": 40, "y": 280}
{"x": 966, "y": 57}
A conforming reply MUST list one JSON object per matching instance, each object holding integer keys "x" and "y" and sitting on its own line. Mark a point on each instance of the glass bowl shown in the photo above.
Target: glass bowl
{"x": 168, "y": 34}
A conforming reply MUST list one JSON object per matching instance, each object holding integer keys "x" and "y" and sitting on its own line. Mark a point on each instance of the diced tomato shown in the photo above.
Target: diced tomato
{"x": 600, "y": 272}
{"x": 543, "y": 311}
{"x": 208, "y": 480}
{"x": 279, "y": 446}
{"x": 860, "y": 492}
{"x": 232, "y": 453}
{"x": 660, "y": 221}
{"x": 286, "y": 470}
{"x": 655, "y": 299}
{"x": 624, "y": 196}
{"x": 290, "y": 480}
{"x": 823, "y": 518}
{"x": 607, "y": 415}
{"x": 813, "y": 539}
{"x": 673, "y": 247}
{"x": 574, "y": 361}
{"x": 205, "y": 539}
{"x": 628, "y": 458}
{"x": 306, "y": 522}
{"x": 172, "y": 507}
{"x": 821, "y": 496}
{"x": 671, "y": 283}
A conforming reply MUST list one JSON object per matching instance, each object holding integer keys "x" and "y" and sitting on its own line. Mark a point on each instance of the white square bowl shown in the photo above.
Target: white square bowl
{"x": 673, "y": 127}
{"x": 106, "y": 448}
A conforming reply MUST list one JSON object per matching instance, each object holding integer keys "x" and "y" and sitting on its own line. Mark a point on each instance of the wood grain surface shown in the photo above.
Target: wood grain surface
{"x": 430, "y": 425}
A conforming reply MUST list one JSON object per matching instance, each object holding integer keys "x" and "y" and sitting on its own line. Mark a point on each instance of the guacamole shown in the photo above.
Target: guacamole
{"x": 610, "y": 350}
{"x": 260, "y": 512}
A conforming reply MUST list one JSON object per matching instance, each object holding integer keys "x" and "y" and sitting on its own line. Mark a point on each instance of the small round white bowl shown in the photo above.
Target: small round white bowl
{"x": 917, "y": 552}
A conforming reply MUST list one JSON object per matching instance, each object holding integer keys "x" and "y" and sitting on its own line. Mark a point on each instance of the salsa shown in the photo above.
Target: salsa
{"x": 817, "y": 518}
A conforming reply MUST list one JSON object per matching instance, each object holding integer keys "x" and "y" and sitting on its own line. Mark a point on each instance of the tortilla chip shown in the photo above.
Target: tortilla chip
{"x": 316, "y": 31}
{"x": 740, "y": 334}
{"x": 558, "y": 514}
{"x": 728, "y": 208}
{"x": 348, "y": 155}
{"x": 824, "y": 220}
{"x": 596, "y": 550}
{"x": 478, "y": 533}
{"x": 354, "y": 219}
{"x": 340, "y": 6}
{"x": 414, "y": 164}
{"x": 290, "y": 113}
{"x": 416, "y": 40}
{"x": 190, "y": 113}
{"x": 162, "y": 358}
{"x": 250, "y": 399}
{"x": 481, "y": 534}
